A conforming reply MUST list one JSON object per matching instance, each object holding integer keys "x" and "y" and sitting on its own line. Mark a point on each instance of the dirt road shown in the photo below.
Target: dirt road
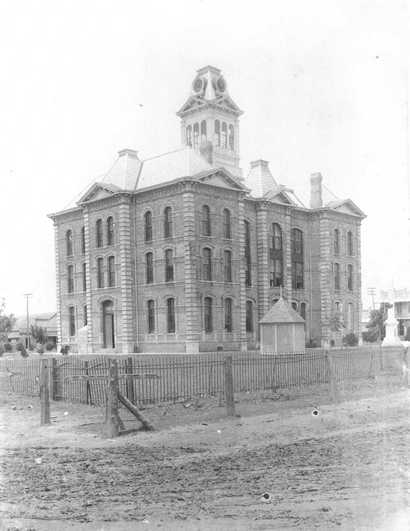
{"x": 347, "y": 467}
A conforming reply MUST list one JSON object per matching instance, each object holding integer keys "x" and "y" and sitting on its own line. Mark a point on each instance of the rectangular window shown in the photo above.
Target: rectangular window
{"x": 149, "y": 269}
{"x": 99, "y": 233}
{"x": 350, "y": 277}
{"x": 111, "y": 271}
{"x": 248, "y": 258}
{"x": 85, "y": 316}
{"x": 336, "y": 272}
{"x": 249, "y": 316}
{"x": 171, "y": 316}
{"x": 83, "y": 240}
{"x": 228, "y": 315}
{"x": 151, "y": 316}
{"x": 84, "y": 276}
{"x": 100, "y": 272}
{"x": 228, "y": 266}
{"x": 336, "y": 242}
{"x": 169, "y": 266}
{"x": 208, "y": 325}
{"x": 71, "y": 320}
{"x": 70, "y": 279}
{"x": 207, "y": 264}
{"x": 297, "y": 259}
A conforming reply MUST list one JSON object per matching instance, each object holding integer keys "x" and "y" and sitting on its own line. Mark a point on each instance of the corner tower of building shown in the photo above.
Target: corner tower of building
{"x": 210, "y": 120}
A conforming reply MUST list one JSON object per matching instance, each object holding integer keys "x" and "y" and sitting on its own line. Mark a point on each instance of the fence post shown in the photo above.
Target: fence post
{"x": 87, "y": 385}
{"x": 112, "y": 421}
{"x": 229, "y": 395}
{"x": 334, "y": 394}
{"x": 44, "y": 393}
{"x": 130, "y": 380}
{"x": 53, "y": 379}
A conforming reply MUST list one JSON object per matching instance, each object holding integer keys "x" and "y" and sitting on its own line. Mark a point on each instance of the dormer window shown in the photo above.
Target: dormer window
{"x": 203, "y": 131}
{"x": 231, "y": 138}
{"x": 189, "y": 136}
{"x": 196, "y": 135}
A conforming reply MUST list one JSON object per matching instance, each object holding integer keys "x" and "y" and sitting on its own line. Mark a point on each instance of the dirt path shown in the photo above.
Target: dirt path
{"x": 346, "y": 468}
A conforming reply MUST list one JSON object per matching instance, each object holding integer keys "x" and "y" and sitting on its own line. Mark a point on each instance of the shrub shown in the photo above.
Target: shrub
{"x": 40, "y": 348}
{"x": 64, "y": 349}
{"x": 350, "y": 340}
{"x": 8, "y": 347}
{"x": 49, "y": 346}
{"x": 22, "y": 349}
{"x": 407, "y": 337}
{"x": 312, "y": 343}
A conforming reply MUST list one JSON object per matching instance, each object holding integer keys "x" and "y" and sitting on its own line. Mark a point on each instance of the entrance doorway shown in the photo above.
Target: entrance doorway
{"x": 108, "y": 324}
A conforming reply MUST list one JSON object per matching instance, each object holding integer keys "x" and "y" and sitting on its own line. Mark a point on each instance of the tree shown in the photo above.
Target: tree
{"x": 38, "y": 333}
{"x": 6, "y": 321}
{"x": 376, "y": 329}
{"x": 336, "y": 323}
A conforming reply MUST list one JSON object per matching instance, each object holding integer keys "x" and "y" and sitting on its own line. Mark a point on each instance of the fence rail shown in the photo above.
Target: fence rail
{"x": 147, "y": 378}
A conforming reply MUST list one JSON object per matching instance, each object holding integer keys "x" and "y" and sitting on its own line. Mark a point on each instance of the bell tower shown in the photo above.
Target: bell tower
{"x": 210, "y": 120}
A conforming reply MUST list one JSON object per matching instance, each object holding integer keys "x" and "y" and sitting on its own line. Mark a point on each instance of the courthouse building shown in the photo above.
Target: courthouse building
{"x": 182, "y": 253}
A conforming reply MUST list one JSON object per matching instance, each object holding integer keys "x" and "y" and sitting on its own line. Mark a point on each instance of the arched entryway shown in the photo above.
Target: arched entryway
{"x": 108, "y": 324}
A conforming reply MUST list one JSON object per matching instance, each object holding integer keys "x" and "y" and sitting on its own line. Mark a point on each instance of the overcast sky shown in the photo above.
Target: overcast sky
{"x": 323, "y": 87}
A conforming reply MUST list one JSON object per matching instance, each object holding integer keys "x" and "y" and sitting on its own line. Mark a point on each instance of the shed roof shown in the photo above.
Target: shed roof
{"x": 281, "y": 312}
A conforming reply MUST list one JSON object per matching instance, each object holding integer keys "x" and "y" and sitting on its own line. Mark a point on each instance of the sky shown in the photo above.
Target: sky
{"x": 323, "y": 86}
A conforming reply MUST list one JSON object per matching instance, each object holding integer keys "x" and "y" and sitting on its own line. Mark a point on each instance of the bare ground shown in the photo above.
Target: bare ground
{"x": 347, "y": 467}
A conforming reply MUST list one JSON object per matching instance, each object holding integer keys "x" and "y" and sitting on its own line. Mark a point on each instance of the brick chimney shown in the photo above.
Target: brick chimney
{"x": 260, "y": 178}
{"x": 316, "y": 190}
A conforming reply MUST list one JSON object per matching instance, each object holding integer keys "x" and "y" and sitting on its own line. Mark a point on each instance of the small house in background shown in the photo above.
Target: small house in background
{"x": 282, "y": 329}
{"x": 46, "y": 321}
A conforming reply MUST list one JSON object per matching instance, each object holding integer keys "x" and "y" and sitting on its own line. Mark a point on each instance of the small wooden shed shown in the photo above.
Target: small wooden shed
{"x": 282, "y": 329}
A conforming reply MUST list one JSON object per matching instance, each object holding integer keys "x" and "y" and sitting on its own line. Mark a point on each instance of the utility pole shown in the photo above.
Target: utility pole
{"x": 372, "y": 293}
{"x": 28, "y": 295}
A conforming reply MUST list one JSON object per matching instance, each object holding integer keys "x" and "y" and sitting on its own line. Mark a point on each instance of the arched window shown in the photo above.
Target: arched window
{"x": 108, "y": 324}
{"x": 71, "y": 320}
{"x": 224, "y": 135}
{"x": 100, "y": 272}
{"x": 228, "y": 314}
{"x": 98, "y": 233}
{"x": 207, "y": 264}
{"x": 303, "y": 310}
{"x": 168, "y": 222}
{"x": 276, "y": 256}
{"x": 336, "y": 272}
{"x": 196, "y": 135}
{"x": 148, "y": 226}
{"x": 169, "y": 265}
{"x": 69, "y": 242}
{"x": 350, "y": 243}
{"x": 70, "y": 279}
{"x": 189, "y": 136}
{"x": 208, "y": 324}
{"x": 336, "y": 242}
{"x": 226, "y": 215}
{"x": 85, "y": 316}
{"x": 249, "y": 316}
{"x": 149, "y": 268}
{"x": 84, "y": 276}
{"x": 111, "y": 271}
{"x": 206, "y": 221}
{"x": 231, "y": 138}
{"x": 151, "y": 316}
{"x": 217, "y": 133}
{"x": 227, "y": 266}
{"x": 297, "y": 259}
{"x": 110, "y": 231}
{"x": 171, "y": 316}
{"x": 350, "y": 277}
{"x": 248, "y": 257}
{"x": 203, "y": 131}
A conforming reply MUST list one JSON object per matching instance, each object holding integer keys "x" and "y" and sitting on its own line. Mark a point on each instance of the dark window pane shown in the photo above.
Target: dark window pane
{"x": 169, "y": 266}
{"x": 171, "y": 316}
{"x": 208, "y": 314}
{"x": 110, "y": 231}
{"x": 151, "y": 316}
{"x": 148, "y": 226}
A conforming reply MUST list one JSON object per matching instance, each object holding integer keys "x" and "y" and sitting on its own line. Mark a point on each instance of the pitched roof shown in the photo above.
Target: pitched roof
{"x": 281, "y": 312}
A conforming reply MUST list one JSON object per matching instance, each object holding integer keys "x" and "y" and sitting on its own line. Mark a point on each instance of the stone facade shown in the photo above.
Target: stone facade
{"x": 164, "y": 277}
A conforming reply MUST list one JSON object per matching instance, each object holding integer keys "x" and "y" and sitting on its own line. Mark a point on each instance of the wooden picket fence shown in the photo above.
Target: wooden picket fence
{"x": 151, "y": 379}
